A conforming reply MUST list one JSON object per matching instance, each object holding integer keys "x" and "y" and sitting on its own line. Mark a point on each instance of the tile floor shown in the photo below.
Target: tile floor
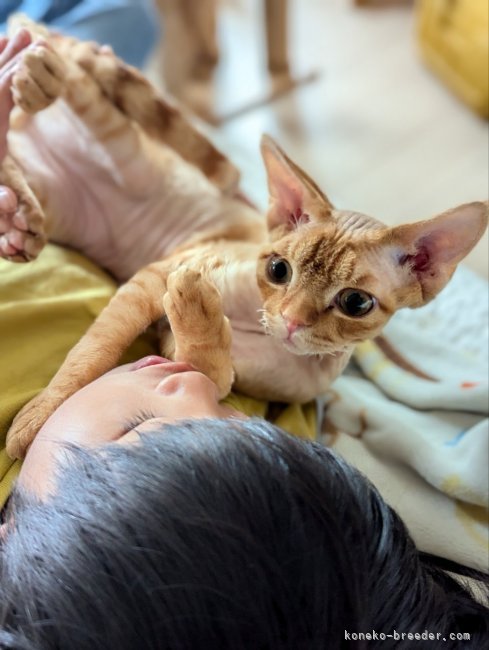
{"x": 377, "y": 131}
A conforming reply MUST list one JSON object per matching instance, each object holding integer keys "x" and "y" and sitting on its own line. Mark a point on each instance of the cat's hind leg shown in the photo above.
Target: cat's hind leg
{"x": 137, "y": 98}
{"x": 36, "y": 84}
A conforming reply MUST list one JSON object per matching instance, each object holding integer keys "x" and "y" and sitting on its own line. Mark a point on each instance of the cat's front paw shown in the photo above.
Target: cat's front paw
{"x": 202, "y": 332}
{"x": 194, "y": 303}
{"x": 28, "y": 421}
{"x": 22, "y": 235}
{"x": 39, "y": 80}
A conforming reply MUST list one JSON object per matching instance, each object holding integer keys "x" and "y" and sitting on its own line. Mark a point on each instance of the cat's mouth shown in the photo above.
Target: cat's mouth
{"x": 298, "y": 345}
{"x": 290, "y": 344}
{"x": 297, "y": 341}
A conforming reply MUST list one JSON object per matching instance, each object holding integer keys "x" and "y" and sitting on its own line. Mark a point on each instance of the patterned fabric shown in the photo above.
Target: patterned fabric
{"x": 411, "y": 413}
{"x": 129, "y": 26}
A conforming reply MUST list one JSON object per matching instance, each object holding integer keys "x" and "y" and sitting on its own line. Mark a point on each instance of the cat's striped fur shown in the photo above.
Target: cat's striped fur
{"x": 299, "y": 290}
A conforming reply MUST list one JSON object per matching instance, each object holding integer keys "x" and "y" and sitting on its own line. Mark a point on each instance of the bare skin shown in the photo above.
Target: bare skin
{"x": 95, "y": 191}
{"x": 9, "y": 62}
{"x": 132, "y": 399}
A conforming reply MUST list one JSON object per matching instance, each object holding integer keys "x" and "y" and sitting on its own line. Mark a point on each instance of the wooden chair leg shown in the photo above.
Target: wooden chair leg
{"x": 276, "y": 34}
{"x": 189, "y": 41}
{"x": 204, "y": 14}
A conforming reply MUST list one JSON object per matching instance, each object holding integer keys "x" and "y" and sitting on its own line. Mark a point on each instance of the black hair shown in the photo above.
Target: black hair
{"x": 220, "y": 534}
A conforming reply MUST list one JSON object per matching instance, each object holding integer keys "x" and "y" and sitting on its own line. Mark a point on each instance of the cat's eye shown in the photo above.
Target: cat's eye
{"x": 355, "y": 302}
{"x": 279, "y": 270}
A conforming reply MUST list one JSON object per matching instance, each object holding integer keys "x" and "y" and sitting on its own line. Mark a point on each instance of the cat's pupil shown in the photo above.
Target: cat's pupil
{"x": 279, "y": 270}
{"x": 354, "y": 302}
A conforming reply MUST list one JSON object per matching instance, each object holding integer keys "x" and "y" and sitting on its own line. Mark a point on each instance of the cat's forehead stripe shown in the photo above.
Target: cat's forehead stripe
{"x": 331, "y": 260}
{"x": 314, "y": 253}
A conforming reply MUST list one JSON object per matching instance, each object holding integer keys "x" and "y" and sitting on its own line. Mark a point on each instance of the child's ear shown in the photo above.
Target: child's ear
{"x": 294, "y": 197}
{"x": 430, "y": 250}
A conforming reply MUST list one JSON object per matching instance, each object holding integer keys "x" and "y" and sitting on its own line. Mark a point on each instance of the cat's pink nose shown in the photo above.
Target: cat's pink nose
{"x": 293, "y": 324}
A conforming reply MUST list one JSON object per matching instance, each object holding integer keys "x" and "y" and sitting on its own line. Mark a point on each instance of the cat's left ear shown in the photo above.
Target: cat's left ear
{"x": 430, "y": 250}
{"x": 294, "y": 197}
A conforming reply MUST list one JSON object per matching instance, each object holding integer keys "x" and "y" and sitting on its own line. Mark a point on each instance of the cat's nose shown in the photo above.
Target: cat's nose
{"x": 293, "y": 324}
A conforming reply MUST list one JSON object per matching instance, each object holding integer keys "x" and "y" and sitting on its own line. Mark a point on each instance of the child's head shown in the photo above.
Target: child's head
{"x": 125, "y": 401}
{"x": 217, "y": 534}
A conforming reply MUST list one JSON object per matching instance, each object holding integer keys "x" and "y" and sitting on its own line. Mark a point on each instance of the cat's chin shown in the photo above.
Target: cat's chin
{"x": 303, "y": 350}
{"x": 294, "y": 348}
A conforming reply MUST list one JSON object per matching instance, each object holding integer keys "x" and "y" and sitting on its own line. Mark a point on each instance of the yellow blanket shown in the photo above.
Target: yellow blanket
{"x": 45, "y": 307}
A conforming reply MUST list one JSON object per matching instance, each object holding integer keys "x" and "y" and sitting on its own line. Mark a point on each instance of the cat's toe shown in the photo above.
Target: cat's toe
{"x": 182, "y": 285}
{"x": 39, "y": 80}
{"x": 183, "y": 279}
{"x": 193, "y": 295}
{"x": 21, "y": 235}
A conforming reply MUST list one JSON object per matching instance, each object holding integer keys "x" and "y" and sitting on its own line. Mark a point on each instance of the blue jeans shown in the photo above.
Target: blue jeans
{"x": 129, "y": 26}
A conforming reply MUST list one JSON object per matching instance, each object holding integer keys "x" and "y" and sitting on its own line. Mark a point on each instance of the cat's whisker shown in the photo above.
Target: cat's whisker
{"x": 263, "y": 320}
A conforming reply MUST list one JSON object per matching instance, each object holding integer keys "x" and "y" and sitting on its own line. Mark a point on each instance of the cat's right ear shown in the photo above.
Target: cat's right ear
{"x": 295, "y": 198}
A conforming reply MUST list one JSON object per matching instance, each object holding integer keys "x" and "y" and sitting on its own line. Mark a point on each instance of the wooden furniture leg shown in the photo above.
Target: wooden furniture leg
{"x": 189, "y": 43}
{"x": 204, "y": 19}
{"x": 276, "y": 34}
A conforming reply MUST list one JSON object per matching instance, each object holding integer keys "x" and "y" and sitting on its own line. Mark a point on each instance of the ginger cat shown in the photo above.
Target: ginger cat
{"x": 285, "y": 299}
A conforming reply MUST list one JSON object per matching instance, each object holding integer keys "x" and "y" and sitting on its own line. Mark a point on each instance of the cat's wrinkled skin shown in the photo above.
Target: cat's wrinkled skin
{"x": 314, "y": 262}
{"x": 100, "y": 138}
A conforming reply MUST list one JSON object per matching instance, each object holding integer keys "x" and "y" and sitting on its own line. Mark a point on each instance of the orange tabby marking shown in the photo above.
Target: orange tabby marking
{"x": 321, "y": 278}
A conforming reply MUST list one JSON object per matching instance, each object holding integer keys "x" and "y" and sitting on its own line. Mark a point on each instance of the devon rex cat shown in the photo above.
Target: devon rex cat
{"x": 289, "y": 296}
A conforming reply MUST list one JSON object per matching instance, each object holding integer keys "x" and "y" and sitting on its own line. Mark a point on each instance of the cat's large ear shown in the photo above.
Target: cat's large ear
{"x": 294, "y": 197}
{"x": 430, "y": 250}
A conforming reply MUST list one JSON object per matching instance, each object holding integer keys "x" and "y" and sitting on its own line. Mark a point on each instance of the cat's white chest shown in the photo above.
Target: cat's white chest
{"x": 264, "y": 367}
{"x": 240, "y": 295}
